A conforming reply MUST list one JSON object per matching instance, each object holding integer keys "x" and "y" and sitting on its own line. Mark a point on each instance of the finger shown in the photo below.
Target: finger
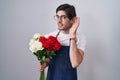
{"x": 40, "y": 67}
{"x": 47, "y": 60}
{"x": 78, "y": 21}
{"x": 44, "y": 65}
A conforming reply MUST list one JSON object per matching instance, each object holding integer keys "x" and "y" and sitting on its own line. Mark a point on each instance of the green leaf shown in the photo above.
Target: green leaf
{"x": 43, "y": 58}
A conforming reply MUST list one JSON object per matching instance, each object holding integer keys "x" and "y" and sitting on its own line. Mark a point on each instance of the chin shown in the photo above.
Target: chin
{"x": 60, "y": 28}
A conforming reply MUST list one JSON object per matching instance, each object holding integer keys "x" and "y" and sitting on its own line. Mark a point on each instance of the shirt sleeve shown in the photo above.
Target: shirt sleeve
{"x": 81, "y": 42}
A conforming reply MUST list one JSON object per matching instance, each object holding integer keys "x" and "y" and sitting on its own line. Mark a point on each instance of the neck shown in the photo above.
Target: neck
{"x": 64, "y": 31}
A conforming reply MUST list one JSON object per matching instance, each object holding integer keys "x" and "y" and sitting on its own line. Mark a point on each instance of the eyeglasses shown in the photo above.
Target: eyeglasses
{"x": 62, "y": 17}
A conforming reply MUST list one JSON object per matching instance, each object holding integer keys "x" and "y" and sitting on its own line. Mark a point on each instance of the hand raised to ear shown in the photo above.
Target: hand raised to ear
{"x": 74, "y": 27}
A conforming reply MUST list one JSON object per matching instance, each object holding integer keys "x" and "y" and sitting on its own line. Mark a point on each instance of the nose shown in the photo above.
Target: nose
{"x": 60, "y": 19}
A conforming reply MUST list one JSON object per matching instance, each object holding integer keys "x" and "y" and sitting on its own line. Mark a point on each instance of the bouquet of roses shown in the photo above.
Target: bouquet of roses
{"x": 43, "y": 47}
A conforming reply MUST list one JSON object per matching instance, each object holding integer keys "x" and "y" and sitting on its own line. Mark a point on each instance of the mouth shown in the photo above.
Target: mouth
{"x": 60, "y": 24}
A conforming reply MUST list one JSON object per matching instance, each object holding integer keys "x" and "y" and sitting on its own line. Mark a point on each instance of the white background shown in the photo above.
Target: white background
{"x": 20, "y": 19}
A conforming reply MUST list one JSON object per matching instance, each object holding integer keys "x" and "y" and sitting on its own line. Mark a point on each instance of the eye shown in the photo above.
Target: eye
{"x": 56, "y": 17}
{"x": 63, "y": 16}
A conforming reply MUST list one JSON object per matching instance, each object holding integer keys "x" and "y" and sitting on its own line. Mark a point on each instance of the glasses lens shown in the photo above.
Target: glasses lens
{"x": 63, "y": 17}
{"x": 55, "y": 17}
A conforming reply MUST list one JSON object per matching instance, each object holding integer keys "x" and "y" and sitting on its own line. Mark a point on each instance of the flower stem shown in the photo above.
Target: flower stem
{"x": 42, "y": 75}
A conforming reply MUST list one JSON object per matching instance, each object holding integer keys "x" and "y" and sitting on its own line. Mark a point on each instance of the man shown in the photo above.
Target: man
{"x": 64, "y": 65}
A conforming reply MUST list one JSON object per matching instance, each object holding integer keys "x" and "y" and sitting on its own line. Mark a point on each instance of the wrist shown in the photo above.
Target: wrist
{"x": 73, "y": 39}
{"x": 72, "y": 35}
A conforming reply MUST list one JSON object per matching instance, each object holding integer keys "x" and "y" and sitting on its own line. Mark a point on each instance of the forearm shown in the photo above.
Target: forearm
{"x": 76, "y": 56}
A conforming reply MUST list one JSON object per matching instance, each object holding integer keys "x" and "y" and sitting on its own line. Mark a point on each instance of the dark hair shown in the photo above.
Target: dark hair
{"x": 69, "y": 9}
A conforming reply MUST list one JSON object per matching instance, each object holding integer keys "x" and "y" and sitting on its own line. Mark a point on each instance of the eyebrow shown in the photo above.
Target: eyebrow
{"x": 61, "y": 15}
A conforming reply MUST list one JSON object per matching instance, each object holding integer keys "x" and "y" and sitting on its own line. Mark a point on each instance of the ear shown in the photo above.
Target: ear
{"x": 73, "y": 20}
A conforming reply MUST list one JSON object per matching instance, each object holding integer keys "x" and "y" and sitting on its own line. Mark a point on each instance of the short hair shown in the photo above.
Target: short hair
{"x": 69, "y": 9}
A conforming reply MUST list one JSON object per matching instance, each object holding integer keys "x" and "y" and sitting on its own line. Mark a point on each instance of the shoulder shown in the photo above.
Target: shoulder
{"x": 53, "y": 33}
{"x": 81, "y": 41}
{"x": 80, "y": 35}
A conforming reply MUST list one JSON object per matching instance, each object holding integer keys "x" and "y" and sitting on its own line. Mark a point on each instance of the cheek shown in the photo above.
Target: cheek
{"x": 67, "y": 23}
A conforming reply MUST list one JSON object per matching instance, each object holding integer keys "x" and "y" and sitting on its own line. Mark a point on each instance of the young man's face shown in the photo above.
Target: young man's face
{"x": 63, "y": 22}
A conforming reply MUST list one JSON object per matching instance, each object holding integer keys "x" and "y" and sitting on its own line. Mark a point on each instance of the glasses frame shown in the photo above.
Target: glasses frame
{"x": 62, "y": 17}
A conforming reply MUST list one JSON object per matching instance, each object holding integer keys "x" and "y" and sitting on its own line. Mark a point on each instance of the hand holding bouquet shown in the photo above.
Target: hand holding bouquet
{"x": 43, "y": 47}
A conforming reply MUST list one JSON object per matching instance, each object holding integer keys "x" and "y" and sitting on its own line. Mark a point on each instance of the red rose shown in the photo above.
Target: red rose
{"x": 42, "y": 39}
{"x": 57, "y": 46}
{"x": 56, "y": 43}
{"x": 50, "y": 44}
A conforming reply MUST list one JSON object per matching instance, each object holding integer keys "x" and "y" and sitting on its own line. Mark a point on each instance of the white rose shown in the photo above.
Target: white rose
{"x": 36, "y": 46}
{"x": 37, "y": 35}
{"x": 39, "y": 45}
{"x": 33, "y": 47}
{"x": 32, "y": 41}
{"x": 46, "y": 36}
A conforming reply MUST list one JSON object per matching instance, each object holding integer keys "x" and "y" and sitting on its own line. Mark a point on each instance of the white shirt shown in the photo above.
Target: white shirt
{"x": 64, "y": 39}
